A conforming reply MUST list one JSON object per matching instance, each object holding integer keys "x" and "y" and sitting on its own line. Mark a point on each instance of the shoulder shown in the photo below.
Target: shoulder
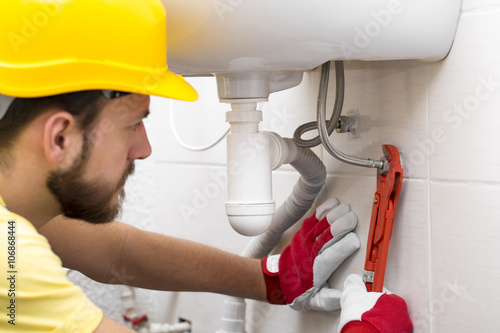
{"x": 39, "y": 283}
{"x": 32, "y": 249}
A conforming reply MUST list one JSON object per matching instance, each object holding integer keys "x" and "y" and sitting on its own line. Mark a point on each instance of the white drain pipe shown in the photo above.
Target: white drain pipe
{"x": 250, "y": 206}
{"x": 313, "y": 177}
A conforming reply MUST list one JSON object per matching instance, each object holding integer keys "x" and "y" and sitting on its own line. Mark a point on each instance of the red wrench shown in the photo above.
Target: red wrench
{"x": 389, "y": 181}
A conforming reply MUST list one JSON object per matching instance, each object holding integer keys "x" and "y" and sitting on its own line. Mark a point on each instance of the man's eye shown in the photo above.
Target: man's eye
{"x": 136, "y": 126}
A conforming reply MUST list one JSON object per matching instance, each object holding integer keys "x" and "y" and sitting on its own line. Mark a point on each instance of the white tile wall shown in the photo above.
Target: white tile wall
{"x": 479, "y": 5}
{"x": 464, "y": 100}
{"x": 389, "y": 99}
{"x": 465, "y": 238}
{"x": 444, "y": 256}
{"x": 198, "y": 124}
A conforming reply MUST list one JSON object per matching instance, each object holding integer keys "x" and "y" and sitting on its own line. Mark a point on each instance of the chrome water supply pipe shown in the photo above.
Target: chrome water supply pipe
{"x": 325, "y": 128}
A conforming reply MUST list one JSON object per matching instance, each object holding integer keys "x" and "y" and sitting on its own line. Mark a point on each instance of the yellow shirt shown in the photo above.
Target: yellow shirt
{"x": 35, "y": 293}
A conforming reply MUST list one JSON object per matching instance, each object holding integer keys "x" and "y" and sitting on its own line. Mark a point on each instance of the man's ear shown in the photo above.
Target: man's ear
{"x": 62, "y": 138}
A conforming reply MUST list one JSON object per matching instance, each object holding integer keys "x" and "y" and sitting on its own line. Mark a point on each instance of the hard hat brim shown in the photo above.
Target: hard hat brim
{"x": 77, "y": 75}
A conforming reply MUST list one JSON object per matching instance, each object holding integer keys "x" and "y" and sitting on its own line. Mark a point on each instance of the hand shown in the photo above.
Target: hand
{"x": 299, "y": 276}
{"x": 371, "y": 311}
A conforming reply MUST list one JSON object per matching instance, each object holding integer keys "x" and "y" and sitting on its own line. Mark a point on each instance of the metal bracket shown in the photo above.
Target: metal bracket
{"x": 368, "y": 276}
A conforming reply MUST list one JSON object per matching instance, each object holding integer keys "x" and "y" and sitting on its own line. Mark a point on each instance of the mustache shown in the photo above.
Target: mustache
{"x": 128, "y": 172}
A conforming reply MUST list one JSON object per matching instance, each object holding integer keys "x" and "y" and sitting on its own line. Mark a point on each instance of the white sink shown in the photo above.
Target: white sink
{"x": 220, "y": 36}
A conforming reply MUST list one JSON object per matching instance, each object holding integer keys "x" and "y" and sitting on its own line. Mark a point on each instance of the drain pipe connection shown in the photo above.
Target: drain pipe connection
{"x": 313, "y": 177}
{"x": 250, "y": 206}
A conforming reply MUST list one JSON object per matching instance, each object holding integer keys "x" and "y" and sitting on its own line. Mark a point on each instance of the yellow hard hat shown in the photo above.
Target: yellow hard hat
{"x": 50, "y": 47}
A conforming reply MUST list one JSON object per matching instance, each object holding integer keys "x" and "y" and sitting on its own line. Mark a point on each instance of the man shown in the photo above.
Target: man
{"x": 73, "y": 95}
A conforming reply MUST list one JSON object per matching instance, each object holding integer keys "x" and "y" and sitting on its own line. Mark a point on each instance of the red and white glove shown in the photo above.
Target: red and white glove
{"x": 371, "y": 312}
{"x": 299, "y": 275}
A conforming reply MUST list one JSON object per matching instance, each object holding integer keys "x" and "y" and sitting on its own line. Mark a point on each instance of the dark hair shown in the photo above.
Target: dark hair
{"x": 84, "y": 105}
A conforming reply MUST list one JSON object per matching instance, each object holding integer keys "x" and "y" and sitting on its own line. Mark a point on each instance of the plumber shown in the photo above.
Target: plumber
{"x": 75, "y": 81}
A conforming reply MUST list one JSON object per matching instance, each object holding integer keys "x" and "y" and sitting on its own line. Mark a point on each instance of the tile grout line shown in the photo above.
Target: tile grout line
{"x": 429, "y": 201}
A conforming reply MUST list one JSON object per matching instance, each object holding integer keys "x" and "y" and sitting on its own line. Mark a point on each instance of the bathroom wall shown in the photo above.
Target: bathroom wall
{"x": 445, "y": 119}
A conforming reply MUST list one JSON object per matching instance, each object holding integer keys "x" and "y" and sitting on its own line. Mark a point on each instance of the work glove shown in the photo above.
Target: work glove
{"x": 298, "y": 277}
{"x": 364, "y": 311}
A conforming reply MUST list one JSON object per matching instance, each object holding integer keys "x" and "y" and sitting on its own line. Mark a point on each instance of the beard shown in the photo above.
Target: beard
{"x": 90, "y": 201}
